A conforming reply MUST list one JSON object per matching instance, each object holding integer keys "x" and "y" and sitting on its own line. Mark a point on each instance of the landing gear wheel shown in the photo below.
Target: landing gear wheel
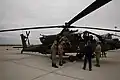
{"x": 72, "y": 58}
{"x": 80, "y": 56}
{"x": 105, "y": 54}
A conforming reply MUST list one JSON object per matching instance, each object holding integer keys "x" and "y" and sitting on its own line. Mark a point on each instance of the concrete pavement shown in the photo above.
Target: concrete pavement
{"x": 34, "y": 66}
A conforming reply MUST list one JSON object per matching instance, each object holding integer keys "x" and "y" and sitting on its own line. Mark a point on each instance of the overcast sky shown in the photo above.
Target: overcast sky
{"x": 27, "y": 13}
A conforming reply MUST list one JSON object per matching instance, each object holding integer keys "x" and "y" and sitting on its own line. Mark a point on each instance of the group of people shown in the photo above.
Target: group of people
{"x": 58, "y": 48}
{"x": 88, "y": 54}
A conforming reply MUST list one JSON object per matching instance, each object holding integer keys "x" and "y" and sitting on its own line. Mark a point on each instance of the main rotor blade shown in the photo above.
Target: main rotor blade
{"x": 31, "y": 28}
{"x": 95, "y": 5}
{"x": 95, "y": 28}
{"x": 59, "y": 27}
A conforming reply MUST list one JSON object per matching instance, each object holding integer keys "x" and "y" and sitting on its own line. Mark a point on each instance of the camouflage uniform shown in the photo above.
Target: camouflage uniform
{"x": 61, "y": 48}
{"x": 58, "y": 47}
{"x": 54, "y": 51}
{"x": 98, "y": 52}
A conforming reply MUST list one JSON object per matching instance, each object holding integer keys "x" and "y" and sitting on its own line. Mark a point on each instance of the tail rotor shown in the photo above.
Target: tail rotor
{"x": 27, "y": 39}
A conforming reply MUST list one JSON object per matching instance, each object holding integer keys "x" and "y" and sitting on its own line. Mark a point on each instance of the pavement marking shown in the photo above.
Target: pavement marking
{"x": 68, "y": 76}
{"x": 54, "y": 72}
{"x": 30, "y": 66}
{"x": 14, "y": 59}
{"x": 41, "y": 76}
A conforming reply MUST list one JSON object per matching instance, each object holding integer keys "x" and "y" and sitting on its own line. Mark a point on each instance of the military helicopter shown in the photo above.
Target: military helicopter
{"x": 74, "y": 38}
{"x": 115, "y": 42}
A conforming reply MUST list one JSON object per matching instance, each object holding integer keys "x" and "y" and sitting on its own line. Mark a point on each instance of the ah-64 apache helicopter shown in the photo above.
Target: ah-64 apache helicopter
{"x": 75, "y": 38}
{"x": 115, "y": 42}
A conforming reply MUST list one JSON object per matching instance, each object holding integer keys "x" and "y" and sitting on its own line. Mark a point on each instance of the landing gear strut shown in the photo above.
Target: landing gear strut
{"x": 21, "y": 51}
{"x": 78, "y": 56}
{"x": 72, "y": 58}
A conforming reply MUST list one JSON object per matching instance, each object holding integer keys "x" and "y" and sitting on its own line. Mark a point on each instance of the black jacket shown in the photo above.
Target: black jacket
{"x": 88, "y": 50}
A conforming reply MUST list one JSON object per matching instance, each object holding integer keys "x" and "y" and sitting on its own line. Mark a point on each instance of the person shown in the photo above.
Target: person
{"x": 88, "y": 55}
{"x": 86, "y": 37}
{"x": 24, "y": 38}
{"x": 61, "y": 49}
{"x": 54, "y": 49}
{"x": 98, "y": 53}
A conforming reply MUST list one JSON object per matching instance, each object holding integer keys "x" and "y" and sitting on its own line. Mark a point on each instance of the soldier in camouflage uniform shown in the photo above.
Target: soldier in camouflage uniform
{"x": 98, "y": 52}
{"x": 54, "y": 49}
{"x": 61, "y": 49}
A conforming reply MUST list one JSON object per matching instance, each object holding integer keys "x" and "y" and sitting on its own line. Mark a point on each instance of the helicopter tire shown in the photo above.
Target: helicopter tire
{"x": 72, "y": 58}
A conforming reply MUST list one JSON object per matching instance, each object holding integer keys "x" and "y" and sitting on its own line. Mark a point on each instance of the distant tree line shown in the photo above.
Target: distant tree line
{"x": 10, "y": 45}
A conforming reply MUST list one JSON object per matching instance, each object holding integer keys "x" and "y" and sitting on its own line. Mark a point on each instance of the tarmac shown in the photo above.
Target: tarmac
{"x": 35, "y": 66}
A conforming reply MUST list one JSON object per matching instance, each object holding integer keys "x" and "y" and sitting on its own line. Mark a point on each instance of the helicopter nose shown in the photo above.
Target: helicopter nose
{"x": 41, "y": 37}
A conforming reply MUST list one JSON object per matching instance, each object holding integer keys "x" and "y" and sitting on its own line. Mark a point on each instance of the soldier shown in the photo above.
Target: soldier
{"x": 54, "y": 49}
{"x": 88, "y": 55}
{"x": 98, "y": 53}
{"x": 86, "y": 37}
{"x": 23, "y": 37}
{"x": 61, "y": 49}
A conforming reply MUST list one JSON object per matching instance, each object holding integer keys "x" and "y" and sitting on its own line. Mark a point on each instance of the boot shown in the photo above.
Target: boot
{"x": 63, "y": 62}
{"x": 54, "y": 65}
{"x": 83, "y": 68}
{"x": 60, "y": 63}
{"x": 97, "y": 65}
{"x": 90, "y": 69}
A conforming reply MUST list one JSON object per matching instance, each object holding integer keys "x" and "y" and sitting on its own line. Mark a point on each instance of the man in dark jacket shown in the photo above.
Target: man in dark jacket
{"x": 88, "y": 55}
